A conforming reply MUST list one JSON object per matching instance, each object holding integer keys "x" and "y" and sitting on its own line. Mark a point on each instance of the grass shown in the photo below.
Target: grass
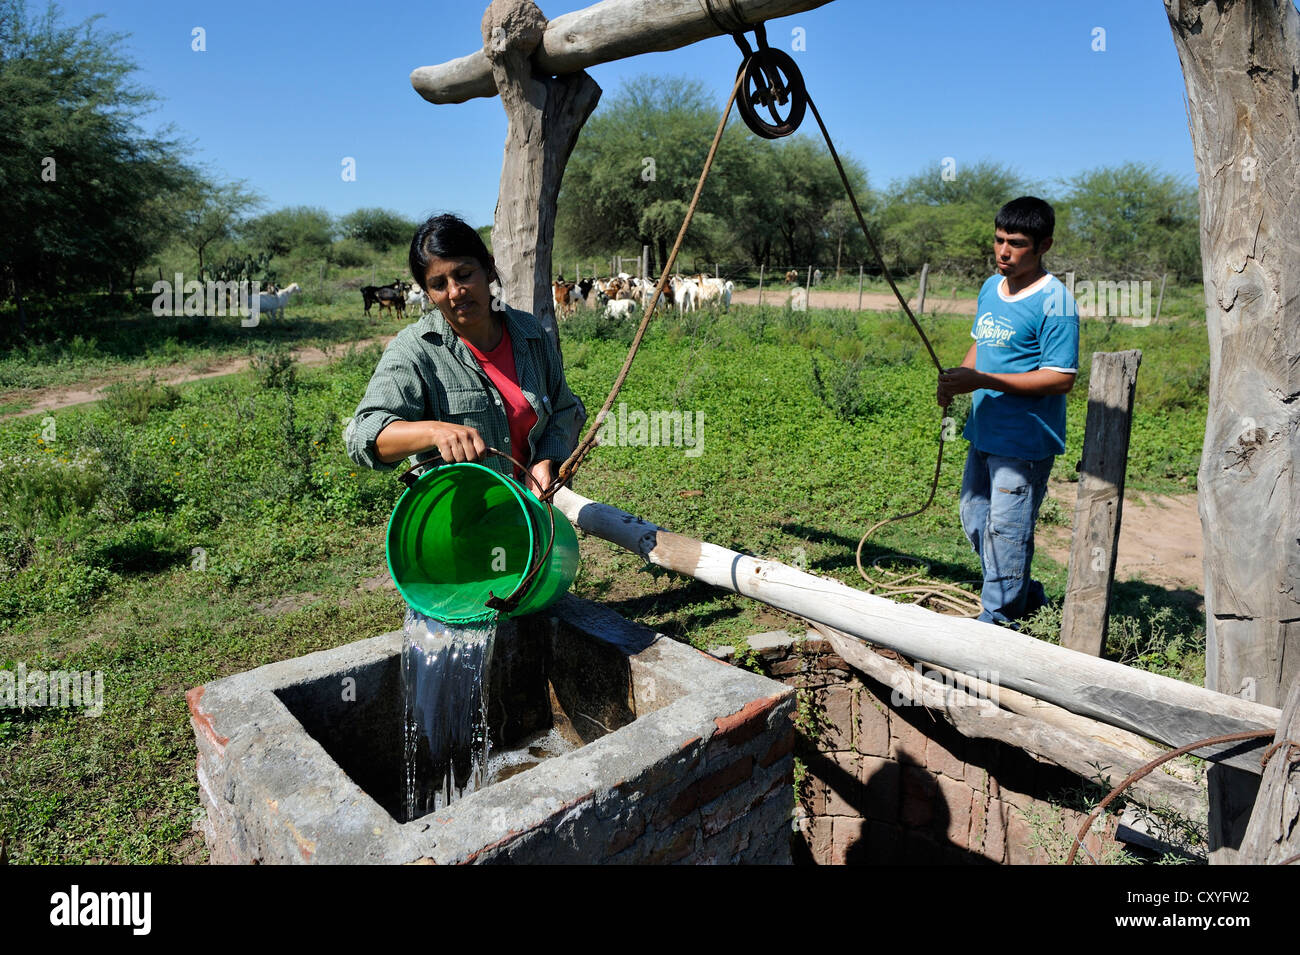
{"x": 170, "y": 536}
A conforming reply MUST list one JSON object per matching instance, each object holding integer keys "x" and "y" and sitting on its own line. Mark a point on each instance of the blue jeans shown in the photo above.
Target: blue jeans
{"x": 1000, "y": 498}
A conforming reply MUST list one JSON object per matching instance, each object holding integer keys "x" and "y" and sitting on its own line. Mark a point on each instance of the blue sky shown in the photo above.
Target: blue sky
{"x": 286, "y": 89}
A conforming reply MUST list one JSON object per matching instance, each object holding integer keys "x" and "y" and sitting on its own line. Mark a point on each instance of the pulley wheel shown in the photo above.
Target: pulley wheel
{"x": 772, "y": 98}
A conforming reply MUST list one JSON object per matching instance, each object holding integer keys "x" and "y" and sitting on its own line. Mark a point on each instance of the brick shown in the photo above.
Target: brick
{"x": 943, "y": 754}
{"x": 837, "y": 704}
{"x": 740, "y": 803}
{"x": 872, "y": 735}
{"x": 957, "y": 798}
{"x": 918, "y": 792}
{"x": 788, "y": 667}
{"x": 819, "y": 840}
{"x": 880, "y": 788}
{"x": 847, "y": 843}
{"x": 1017, "y": 777}
{"x": 780, "y": 749}
{"x": 831, "y": 661}
{"x": 716, "y": 783}
{"x": 744, "y": 724}
{"x": 677, "y": 847}
{"x": 994, "y": 846}
{"x": 1019, "y": 836}
{"x": 844, "y": 788}
{"x": 907, "y": 743}
{"x": 626, "y": 834}
{"x": 772, "y": 646}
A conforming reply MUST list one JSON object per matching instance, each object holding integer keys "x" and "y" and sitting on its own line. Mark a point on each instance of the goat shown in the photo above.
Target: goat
{"x": 620, "y": 308}
{"x": 273, "y": 303}
{"x": 385, "y": 296}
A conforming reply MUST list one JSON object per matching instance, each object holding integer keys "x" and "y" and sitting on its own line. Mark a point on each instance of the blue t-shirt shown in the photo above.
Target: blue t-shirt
{"x": 1037, "y": 328}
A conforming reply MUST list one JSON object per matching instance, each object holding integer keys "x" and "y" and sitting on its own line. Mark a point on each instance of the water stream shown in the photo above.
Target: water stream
{"x": 444, "y": 671}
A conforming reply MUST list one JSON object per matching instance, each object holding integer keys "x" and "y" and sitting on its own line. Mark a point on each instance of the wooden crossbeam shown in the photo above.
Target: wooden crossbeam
{"x": 603, "y": 32}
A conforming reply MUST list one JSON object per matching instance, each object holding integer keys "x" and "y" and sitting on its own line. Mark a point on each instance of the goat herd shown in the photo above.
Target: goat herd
{"x": 620, "y": 296}
{"x": 617, "y": 297}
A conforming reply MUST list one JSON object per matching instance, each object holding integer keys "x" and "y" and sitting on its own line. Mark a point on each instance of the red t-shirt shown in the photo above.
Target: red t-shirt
{"x": 499, "y": 365}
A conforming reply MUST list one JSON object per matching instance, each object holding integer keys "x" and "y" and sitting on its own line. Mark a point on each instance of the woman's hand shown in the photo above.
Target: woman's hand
{"x": 544, "y": 473}
{"x": 456, "y": 442}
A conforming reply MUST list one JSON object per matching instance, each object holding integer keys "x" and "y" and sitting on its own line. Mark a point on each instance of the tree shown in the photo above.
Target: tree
{"x": 85, "y": 193}
{"x": 944, "y": 216}
{"x": 1239, "y": 62}
{"x": 1132, "y": 221}
{"x": 305, "y": 230}
{"x": 208, "y": 212}
{"x": 379, "y": 228}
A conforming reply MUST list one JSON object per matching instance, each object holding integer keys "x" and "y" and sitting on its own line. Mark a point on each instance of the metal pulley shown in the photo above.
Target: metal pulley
{"x": 773, "y": 84}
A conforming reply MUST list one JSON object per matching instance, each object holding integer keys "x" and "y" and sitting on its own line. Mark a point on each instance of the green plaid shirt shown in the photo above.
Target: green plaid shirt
{"x": 427, "y": 374}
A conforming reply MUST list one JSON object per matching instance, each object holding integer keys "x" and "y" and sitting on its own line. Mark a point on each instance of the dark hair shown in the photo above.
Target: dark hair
{"x": 1029, "y": 216}
{"x": 446, "y": 237}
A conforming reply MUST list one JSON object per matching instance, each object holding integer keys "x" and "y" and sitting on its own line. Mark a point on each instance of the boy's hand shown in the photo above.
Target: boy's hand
{"x": 957, "y": 381}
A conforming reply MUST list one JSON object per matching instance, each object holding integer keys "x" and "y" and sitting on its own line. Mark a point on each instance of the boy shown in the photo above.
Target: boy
{"x": 1023, "y": 362}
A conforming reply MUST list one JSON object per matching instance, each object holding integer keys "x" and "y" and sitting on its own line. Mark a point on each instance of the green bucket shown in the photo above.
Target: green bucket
{"x": 462, "y": 534}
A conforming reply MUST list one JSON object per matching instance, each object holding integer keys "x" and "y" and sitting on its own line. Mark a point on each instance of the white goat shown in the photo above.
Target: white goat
{"x": 620, "y": 308}
{"x": 687, "y": 292}
{"x": 268, "y": 303}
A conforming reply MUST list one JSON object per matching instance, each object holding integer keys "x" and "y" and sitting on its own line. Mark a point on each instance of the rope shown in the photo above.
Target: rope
{"x": 1144, "y": 770}
{"x": 571, "y": 464}
{"x": 588, "y": 442}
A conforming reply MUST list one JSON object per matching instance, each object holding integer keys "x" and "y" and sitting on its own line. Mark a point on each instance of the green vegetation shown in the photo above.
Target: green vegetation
{"x": 168, "y": 537}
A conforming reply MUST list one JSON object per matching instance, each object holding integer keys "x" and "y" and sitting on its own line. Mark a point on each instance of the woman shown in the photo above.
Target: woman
{"x": 471, "y": 374}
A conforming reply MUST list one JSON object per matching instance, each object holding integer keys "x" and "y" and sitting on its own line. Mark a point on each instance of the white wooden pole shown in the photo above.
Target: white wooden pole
{"x": 1157, "y": 707}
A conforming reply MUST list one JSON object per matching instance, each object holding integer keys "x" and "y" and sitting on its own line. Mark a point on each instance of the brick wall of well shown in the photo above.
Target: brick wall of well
{"x": 887, "y": 782}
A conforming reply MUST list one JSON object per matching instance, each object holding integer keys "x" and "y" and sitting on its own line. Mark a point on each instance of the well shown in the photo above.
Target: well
{"x": 683, "y": 758}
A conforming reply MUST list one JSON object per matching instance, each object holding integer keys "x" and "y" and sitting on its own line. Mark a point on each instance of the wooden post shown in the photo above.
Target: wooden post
{"x": 1161, "y": 300}
{"x": 1238, "y": 59}
{"x": 760, "y": 283}
{"x": 544, "y": 116}
{"x": 859, "y": 287}
{"x": 1273, "y": 834}
{"x": 1101, "y": 500}
{"x": 920, "y": 295}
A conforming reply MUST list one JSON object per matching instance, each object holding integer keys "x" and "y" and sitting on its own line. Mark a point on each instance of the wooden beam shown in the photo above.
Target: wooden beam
{"x": 545, "y": 117}
{"x": 1273, "y": 833}
{"x": 1097, "y": 513}
{"x": 978, "y": 718}
{"x": 603, "y": 32}
{"x": 1157, "y": 707}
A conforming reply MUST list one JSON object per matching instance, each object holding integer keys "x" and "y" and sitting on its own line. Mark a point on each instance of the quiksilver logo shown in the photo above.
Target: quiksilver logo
{"x": 102, "y": 908}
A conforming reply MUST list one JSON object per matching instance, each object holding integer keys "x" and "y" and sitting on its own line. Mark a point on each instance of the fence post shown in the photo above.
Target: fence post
{"x": 920, "y": 305}
{"x": 859, "y": 287}
{"x": 760, "y": 283}
{"x": 1161, "y": 301}
{"x": 1100, "y": 503}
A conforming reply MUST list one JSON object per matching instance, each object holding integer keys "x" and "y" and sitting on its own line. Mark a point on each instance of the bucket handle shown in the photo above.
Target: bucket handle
{"x": 508, "y": 603}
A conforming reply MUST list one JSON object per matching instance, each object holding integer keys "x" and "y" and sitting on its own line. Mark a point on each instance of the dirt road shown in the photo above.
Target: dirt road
{"x": 52, "y": 399}
{"x": 871, "y": 301}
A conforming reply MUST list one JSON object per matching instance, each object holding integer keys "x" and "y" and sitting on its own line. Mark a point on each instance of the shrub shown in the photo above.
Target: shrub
{"x": 273, "y": 369}
{"x": 43, "y": 493}
{"x": 135, "y": 401}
